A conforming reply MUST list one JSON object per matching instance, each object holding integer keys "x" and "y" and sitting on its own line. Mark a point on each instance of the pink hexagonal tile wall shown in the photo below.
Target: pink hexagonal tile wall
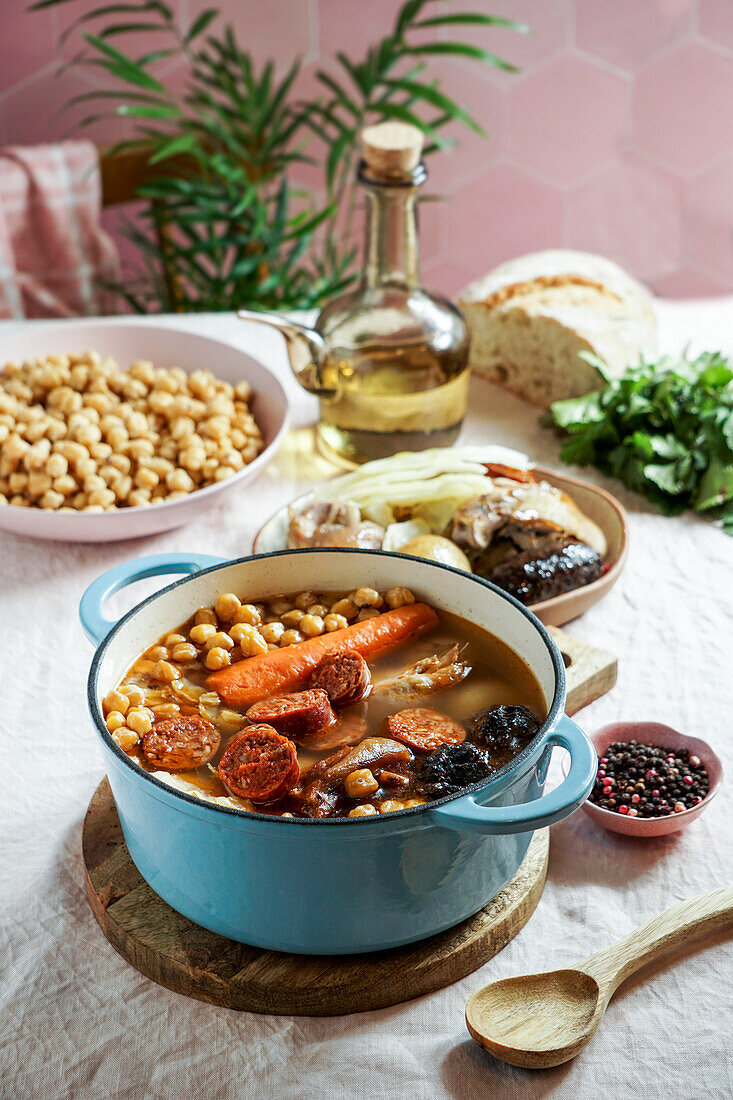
{"x": 682, "y": 108}
{"x": 616, "y": 136}
{"x": 567, "y": 119}
{"x": 501, "y": 213}
{"x": 715, "y": 21}
{"x": 630, "y": 212}
{"x": 709, "y": 223}
{"x": 630, "y": 33}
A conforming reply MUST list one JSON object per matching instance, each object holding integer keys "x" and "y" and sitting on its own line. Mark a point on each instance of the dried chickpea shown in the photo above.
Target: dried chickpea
{"x": 398, "y": 597}
{"x": 201, "y": 632}
{"x": 173, "y": 639}
{"x": 125, "y": 738}
{"x": 184, "y": 653}
{"x": 248, "y": 613}
{"x": 139, "y": 719}
{"x": 219, "y": 640}
{"x": 217, "y": 658}
{"x": 311, "y": 625}
{"x": 292, "y": 618}
{"x": 51, "y": 500}
{"x": 367, "y": 613}
{"x": 390, "y": 805}
{"x": 345, "y": 607}
{"x": 272, "y": 632}
{"x": 367, "y": 597}
{"x": 290, "y": 637}
{"x": 360, "y": 783}
{"x": 115, "y": 700}
{"x": 362, "y": 811}
{"x": 114, "y": 720}
{"x": 335, "y": 622}
{"x": 226, "y": 606}
{"x": 410, "y": 802}
{"x": 165, "y": 672}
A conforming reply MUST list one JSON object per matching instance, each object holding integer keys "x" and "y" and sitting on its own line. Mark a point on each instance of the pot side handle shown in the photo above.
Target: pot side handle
{"x": 466, "y": 815}
{"x": 96, "y": 625}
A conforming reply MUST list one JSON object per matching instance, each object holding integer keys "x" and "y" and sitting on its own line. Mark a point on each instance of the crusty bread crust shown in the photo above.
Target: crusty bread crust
{"x": 528, "y": 327}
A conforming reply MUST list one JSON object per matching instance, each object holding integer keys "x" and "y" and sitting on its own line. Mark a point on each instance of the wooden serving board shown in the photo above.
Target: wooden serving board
{"x": 589, "y": 672}
{"x": 180, "y": 955}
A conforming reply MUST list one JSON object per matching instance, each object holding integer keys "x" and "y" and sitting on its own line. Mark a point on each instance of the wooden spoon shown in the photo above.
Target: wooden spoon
{"x": 541, "y": 1020}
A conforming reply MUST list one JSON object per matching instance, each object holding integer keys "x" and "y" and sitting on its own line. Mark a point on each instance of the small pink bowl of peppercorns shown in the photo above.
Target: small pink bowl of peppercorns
{"x": 651, "y": 779}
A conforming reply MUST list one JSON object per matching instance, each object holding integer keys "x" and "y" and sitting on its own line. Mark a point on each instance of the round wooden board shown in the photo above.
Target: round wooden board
{"x": 180, "y": 955}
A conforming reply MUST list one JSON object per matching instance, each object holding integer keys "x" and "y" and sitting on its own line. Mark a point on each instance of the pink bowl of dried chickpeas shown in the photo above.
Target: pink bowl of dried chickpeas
{"x": 116, "y": 429}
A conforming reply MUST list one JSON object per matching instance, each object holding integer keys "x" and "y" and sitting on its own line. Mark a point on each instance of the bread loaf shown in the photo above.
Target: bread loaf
{"x": 530, "y": 317}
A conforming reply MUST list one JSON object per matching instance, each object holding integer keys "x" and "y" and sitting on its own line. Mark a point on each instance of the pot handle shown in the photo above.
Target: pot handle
{"x": 466, "y": 815}
{"x": 96, "y": 625}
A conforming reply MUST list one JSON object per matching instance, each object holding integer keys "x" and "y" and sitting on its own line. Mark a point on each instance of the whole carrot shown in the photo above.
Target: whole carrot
{"x": 281, "y": 670}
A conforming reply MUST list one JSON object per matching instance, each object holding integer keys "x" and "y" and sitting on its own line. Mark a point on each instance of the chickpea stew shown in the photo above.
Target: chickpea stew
{"x": 317, "y": 705}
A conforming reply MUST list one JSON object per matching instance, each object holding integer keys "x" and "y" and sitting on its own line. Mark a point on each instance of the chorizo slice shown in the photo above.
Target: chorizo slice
{"x": 181, "y": 743}
{"x": 260, "y": 764}
{"x": 345, "y": 677}
{"x": 424, "y": 730}
{"x": 300, "y": 715}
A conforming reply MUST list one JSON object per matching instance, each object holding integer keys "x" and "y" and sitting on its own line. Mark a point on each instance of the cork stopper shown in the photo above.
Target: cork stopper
{"x": 391, "y": 150}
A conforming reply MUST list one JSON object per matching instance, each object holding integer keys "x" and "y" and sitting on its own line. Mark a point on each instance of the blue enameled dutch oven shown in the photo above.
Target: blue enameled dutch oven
{"x": 347, "y": 884}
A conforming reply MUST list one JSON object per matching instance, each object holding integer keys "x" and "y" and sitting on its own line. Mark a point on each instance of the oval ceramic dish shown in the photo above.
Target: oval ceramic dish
{"x": 597, "y": 504}
{"x": 653, "y": 733}
{"x": 126, "y": 341}
{"x": 331, "y": 885}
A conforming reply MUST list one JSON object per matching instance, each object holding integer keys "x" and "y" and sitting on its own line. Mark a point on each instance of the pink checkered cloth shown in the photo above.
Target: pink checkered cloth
{"x": 53, "y": 251}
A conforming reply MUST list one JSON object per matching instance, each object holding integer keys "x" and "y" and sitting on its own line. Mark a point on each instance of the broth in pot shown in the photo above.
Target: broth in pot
{"x": 327, "y": 704}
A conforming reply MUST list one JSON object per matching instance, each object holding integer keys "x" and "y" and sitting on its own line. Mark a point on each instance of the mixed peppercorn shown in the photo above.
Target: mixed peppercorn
{"x": 648, "y": 781}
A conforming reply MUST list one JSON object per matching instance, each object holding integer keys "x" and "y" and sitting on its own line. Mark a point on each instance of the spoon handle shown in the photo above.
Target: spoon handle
{"x": 711, "y": 912}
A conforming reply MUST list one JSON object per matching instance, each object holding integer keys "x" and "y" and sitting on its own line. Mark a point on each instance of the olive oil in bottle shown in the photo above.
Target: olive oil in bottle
{"x": 394, "y": 374}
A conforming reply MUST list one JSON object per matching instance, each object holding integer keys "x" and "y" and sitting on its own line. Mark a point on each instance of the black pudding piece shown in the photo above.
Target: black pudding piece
{"x": 540, "y": 573}
{"x": 453, "y": 767}
{"x": 505, "y": 729}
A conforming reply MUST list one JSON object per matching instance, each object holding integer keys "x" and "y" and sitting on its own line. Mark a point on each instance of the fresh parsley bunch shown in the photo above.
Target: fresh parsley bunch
{"x": 665, "y": 429}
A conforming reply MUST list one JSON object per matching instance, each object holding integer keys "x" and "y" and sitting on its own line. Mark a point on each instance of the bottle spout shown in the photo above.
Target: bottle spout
{"x": 306, "y": 349}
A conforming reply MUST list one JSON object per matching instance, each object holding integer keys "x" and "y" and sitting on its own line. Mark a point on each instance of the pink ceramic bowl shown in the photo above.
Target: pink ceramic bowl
{"x": 128, "y": 339}
{"x": 653, "y": 733}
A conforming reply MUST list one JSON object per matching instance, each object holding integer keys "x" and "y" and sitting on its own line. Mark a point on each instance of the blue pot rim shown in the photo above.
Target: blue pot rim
{"x": 498, "y": 778}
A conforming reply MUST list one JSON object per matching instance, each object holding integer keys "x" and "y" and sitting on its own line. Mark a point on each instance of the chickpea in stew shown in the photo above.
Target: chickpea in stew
{"x": 325, "y": 704}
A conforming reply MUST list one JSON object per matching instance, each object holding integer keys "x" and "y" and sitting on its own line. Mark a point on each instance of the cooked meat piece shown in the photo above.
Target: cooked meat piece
{"x": 321, "y": 787}
{"x": 531, "y": 532}
{"x": 559, "y": 565}
{"x": 476, "y": 522}
{"x": 505, "y": 730}
{"x": 303, "y": 525}
{"x": 328, "y": 523}
{"x": 480, "y": 521}
{"x": 300, "y": 715}
{"x": 452, "y": 767}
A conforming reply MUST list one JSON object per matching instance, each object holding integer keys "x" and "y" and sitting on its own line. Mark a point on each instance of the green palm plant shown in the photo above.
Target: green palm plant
{"x": 223, "y": 224}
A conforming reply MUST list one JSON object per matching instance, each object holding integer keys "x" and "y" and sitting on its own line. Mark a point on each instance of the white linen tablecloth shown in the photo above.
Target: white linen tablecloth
{"x": 77, "y": 1021}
